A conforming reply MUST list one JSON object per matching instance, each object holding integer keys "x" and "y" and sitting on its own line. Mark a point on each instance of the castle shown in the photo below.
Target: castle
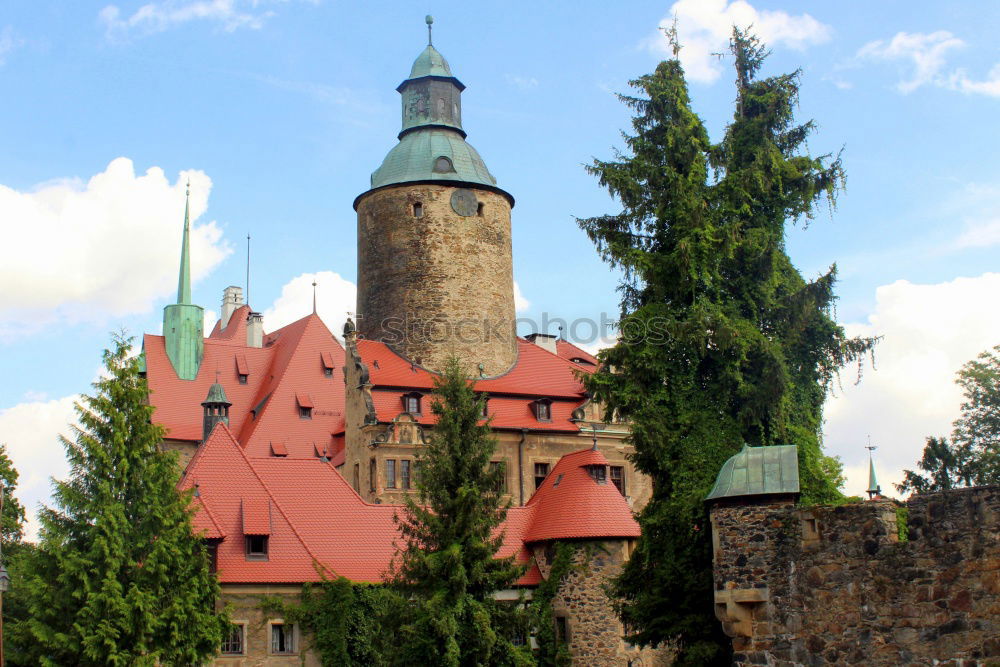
{"x": 299, "y": 448}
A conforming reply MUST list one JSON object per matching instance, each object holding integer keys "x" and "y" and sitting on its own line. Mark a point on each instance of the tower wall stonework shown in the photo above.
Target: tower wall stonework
{"x": 440, "y": 284}
{"x": 836, "y": 585}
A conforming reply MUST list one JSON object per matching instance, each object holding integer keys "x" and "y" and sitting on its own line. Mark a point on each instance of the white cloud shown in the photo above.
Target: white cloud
{"x": 153, "y": 17}
{"x": 930, "y": 331}
{"x": 980, "y": 234}
{"x": 521, "y": 304}
{"x": 78, "y": 252}
{"x": 705, "y": 26}
{"x": 31, "y": 431}
{"x": 521, "y": 82}
{"x": 923, "y": 54}
{"x": 989, "y": 86}
{"x": 335, "y": 298}
{"x": 8, "y": 43}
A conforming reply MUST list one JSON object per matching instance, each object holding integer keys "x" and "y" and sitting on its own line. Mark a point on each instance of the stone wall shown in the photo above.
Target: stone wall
{"x": 245, "y": 608}
{"x": 594, "y": 633}
{"x": 835, "y": 585}
{"x": 438, "y": 284}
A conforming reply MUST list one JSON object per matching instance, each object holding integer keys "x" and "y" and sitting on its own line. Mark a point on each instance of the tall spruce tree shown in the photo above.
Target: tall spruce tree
{"x": 119, "y": 578}
{"x": 722, "y": 342}
{"x": 447, "y": 567}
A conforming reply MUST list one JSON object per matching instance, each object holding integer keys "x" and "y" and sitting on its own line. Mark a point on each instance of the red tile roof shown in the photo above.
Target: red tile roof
{"x": 571, "y": 504}
{"x": 569, "y": 351}
{"x": 256, "y": 512}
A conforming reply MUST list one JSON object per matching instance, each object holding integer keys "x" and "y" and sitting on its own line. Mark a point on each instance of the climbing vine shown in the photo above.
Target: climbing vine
{"x": 550, "y": 651}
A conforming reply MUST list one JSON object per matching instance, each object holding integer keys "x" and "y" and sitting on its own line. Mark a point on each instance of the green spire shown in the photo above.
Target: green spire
{"x": 184, "y": 280}
{"x": 873, "y": 488}
{"x": 183, "y": 322}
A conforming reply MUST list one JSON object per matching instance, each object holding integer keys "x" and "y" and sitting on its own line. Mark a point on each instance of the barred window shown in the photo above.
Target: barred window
{"x": 232, "y": 643}
{"x": 282, "y": 639}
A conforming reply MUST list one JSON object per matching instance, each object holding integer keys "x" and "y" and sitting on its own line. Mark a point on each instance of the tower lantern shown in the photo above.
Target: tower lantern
{"x": 435, "y": 274}
{"x": 215, "y": 409}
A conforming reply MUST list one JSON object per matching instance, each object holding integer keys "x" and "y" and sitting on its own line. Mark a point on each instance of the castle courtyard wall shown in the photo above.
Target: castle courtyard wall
{"x": 836, "y": 585}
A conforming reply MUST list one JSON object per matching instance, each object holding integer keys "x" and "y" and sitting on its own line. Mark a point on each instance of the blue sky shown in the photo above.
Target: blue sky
{"x": 278, "y": 111}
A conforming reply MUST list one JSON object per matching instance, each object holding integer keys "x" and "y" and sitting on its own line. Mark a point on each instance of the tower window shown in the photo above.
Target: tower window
{"x": 443, "y": 165}
{"x": 390, "y": 473}
{"x": 418, "y": 210}
{"x": 618, "y": 478}
{"x": 480, "y": 209}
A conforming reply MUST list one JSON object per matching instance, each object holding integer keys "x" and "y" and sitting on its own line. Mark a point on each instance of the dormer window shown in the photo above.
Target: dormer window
{"x": 242, "y": 368}
{"x": 543, "y": 410}
{"x": 598, "y": 473}
{"x": 443, "y": 165}
{"x": 327, "y": 360}
{"x": 418, "y": 210}
{"x": 256, "y": 547}
{"x": 411, "y": 403}
{"x": 305, "y": 405}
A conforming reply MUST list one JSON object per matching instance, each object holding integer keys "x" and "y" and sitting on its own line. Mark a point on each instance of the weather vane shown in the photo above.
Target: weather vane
{"x": 430, "y": 21}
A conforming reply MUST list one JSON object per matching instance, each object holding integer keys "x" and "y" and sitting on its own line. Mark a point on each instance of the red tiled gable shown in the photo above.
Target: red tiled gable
{"x": 204, "y": 522}
{"x": 508, "y": 412}
{"x": 571, "y": 504}
{"x": 287, "y": 365}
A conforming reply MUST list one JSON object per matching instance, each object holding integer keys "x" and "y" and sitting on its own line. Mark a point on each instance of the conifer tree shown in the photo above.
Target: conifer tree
{"x": 14, "y": 552}
{"x": 447, "y": 567}
{"x": 722, "y": 342}
{"x": 119, "y": 578}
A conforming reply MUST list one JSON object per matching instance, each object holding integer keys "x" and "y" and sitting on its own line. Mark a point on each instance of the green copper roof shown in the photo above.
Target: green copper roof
{"x": 430, "y": 63}
{"x": 758, "y": 471}
{"x": 415, "y": 156}
{"x": 216, "y": 394}
{"x": 184, "y": 279}
{"x": 873, "y": 486}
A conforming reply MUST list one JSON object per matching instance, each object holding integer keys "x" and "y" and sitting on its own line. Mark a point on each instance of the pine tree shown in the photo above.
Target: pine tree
{"x": 119, "y": 578}
{"x": 447, "y": 567}
{"x": 722, "y": 341}
{"x": 14, "y": 553}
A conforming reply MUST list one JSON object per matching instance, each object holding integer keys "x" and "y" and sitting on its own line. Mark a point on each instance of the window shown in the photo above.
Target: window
{"x": 357, "y": 477}
{"x": 541, "y": 472}
{"x": 562, "y": 630}
{"x": 328, "y": 372}
{"x": 486, "y": 406}
{"x": 305, "y": 413}
{"x": 372, "y": 473}
{"x": 232, "y": 642}
{"x": 243, "y": 378}
{"x": 390, "y": 473}
{"x": 480, "y": 209}
{"x": 404, "y": 474}
{"x": 282, "y": 639}
{"x": 443, "y": 165}
{"x": 212, "y": 549}
{"x": 501, "y": 486}
{"x": 598, "y": 473}
{"x": 418, "y": 210}
{"x": 256, "y": 547}
{"x": 618, "y": 478}
{"x": 543, "y": 410}
{"x": 411, "y": 403}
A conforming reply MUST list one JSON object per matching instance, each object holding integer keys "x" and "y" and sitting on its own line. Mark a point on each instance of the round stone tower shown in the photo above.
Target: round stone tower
{"x": 435, "y": 275}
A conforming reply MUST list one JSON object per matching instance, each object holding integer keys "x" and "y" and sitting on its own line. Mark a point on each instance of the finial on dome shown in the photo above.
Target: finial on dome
{"x": 430, "y": 22}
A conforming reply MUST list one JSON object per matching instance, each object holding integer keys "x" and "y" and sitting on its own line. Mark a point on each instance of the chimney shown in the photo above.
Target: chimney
{"x": 544, "y": 341}
{"x": 255, "y": 330}
{"x": 232, "y": 299}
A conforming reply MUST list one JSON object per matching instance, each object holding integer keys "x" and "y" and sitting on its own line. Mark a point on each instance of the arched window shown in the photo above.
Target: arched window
{"x": 480, "y": 209}
{"x": 418, "y": 210}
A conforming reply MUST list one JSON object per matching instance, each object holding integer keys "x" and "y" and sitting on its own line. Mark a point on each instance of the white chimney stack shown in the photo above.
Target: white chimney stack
{"x": 544, "y": 341}
{"x": 255, "y": 330}
{"x": 232, "y": 299}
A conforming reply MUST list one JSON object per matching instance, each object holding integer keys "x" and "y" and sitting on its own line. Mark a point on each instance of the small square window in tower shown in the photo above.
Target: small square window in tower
{"x": 418, "y": 210}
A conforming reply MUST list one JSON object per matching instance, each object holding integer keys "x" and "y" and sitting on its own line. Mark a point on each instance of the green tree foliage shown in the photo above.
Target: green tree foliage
{"x": 973, "y": 455}
{"x": 12, "y": 519}
{"x": 118, "y": 577}
{"x": 722, "y": 341}
{"x": 447, "y": 566}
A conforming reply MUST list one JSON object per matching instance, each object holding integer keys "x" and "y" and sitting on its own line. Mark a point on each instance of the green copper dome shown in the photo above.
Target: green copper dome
{"x": 417, "y": 157}
{"x": 432, "y": 144}
{"x": 758, "y": 471}
{"x": 430, "y": 63}
{"x": 216, "y": 394}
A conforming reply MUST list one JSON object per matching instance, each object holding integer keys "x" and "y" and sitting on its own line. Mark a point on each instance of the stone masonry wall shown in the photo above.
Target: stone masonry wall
{"x": 594, "y": 632}
{"x": 439, "y": 284}
{"x": 245, "y": 608}
{"x": 835, "y": 585}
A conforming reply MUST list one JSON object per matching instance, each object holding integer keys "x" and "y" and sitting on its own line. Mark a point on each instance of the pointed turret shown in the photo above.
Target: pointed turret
{"x": 183, "y": 322}
{"x": 873, "y": 488}
{"x": 216, "y": 409}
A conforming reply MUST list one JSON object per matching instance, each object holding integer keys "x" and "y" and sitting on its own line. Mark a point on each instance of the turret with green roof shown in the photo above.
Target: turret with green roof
{"x": 184, "y": 322}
